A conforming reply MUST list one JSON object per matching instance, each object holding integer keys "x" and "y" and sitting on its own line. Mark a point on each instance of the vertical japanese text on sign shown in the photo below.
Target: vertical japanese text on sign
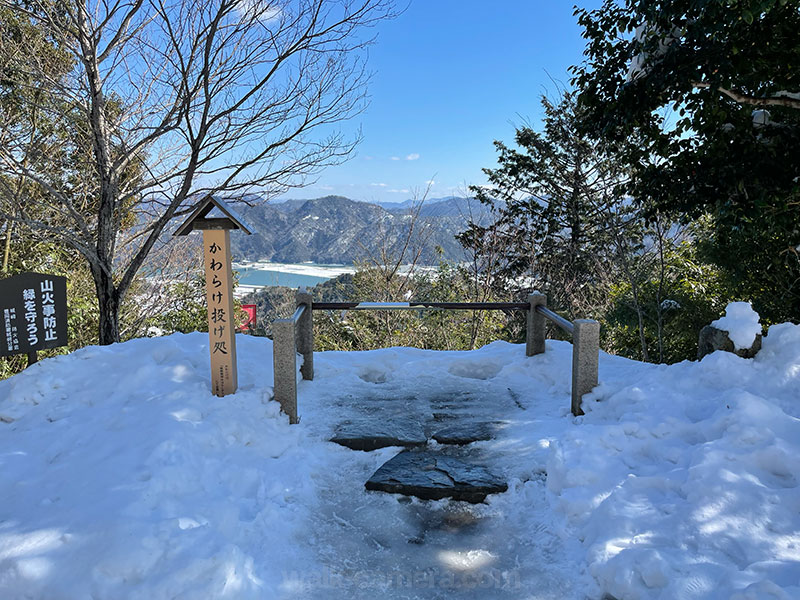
{"x": 219, "y": 296}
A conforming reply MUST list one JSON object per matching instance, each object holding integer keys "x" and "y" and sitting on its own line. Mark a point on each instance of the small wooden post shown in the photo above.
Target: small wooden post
{"x": 219, "y": 288}
{"x": 535, "y": 334}
{"x": 305, "y": 334}
{"x": 221, "y": 325}
{"x": 585, "y": 359}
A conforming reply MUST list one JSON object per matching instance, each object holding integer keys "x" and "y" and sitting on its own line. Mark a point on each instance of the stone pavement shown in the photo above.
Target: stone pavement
{"x": 438, "y": 433}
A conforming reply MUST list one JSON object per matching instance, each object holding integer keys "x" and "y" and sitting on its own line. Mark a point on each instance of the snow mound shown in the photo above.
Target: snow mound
{"x": 741, "y": 323}
{"x": 123, "y": 477}
{"x": 683, "y": 481}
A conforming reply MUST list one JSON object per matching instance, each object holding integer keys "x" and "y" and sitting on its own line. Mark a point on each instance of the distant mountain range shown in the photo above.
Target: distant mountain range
{"x": 335, "y": 229}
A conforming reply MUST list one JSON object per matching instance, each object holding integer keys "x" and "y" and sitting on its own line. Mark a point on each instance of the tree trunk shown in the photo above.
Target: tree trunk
{"x": 7, "y": 245}
{"x": 640, "y": 317}
{"x": 108, "y": 304}
{"x": 661, "y": 276}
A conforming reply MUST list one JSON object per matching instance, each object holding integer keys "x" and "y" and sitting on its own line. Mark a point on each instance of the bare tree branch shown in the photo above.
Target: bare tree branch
{"x": 173, "y": 99}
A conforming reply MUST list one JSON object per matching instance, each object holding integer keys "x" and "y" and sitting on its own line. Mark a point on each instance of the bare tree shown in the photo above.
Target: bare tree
{"x": 390, "y": 262}
{"x": 171, "y": 100}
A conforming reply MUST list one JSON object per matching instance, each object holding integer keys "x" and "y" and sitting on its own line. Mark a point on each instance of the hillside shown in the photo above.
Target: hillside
{"x": 449, "y": 206}
{"x": 337, "y": 230}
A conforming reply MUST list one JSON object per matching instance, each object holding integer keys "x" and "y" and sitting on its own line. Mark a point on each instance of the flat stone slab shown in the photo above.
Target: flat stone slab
{"x": 431, "y": 475}
{"x": 371, "y": 434}
{"x": 466, "y": 433}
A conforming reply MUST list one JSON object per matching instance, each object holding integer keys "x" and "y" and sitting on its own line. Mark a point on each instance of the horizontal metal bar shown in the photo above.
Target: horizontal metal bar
{"x": 298, "y": 313}
{"x": 420, "y": 305}
{"x": 556, "y": 318}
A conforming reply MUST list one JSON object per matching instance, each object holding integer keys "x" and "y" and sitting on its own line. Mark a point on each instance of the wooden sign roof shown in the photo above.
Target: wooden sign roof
{"x": 199, "y": 220}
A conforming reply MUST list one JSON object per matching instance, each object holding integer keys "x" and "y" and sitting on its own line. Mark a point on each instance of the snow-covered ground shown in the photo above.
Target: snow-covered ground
{"x": 121, "y": 476}
{"x": 298, "y": 269}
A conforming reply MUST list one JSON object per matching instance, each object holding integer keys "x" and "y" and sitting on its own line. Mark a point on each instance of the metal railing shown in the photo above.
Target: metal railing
{"x": 296, "y": 335}
{"x": 420, "y": 305}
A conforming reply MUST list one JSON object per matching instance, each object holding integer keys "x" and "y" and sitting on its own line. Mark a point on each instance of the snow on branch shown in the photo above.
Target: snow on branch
{"x": 782, "y": 98}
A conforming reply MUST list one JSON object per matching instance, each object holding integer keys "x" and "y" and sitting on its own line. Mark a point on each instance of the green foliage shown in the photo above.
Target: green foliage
{"x": 711, "y": 92}
{"x": 181, "y": 306}
{"x": 563, "y": 226}
{"x": 33, "y": 254}
{"x": 49, "y": 146}
{"x": 684, "y": 77}
{"x": 456, "y": 329}
{"x": 184, "y": 310}
{"x": 157, "y": 106}
{"x": 21, "y": 44}
{"x": 431, "y": 329}
{"x": 555, "y": 206}
{"x": 674, "y": 309}
{"x": 760, "y": 258}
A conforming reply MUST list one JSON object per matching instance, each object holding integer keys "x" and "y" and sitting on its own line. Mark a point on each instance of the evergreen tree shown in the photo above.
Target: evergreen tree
{"x": 27, "y": 105}
{"x": 555, "y": 202}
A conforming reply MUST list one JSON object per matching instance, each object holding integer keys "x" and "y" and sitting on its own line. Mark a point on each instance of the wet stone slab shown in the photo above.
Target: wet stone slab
{"x": 466, "y": 433}
{"x": 457, "y": 403}
{"x": 433, "y": 475}
{"x": 371, "y": 434}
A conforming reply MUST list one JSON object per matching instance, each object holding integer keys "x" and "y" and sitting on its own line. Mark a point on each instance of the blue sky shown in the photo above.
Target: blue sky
{"x": 451, "y": 76}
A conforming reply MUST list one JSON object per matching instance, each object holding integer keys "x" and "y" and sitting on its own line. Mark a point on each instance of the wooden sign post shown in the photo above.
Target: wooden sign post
{"x": 219, "y": 289}
{"x": 219, "y": 298}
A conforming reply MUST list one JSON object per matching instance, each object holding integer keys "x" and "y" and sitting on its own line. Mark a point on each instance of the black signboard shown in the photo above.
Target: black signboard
{"x": 33, "y": 313}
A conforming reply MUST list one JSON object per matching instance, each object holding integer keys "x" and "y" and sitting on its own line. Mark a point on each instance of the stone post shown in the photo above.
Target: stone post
{"x": 305, "y": 333}
{"x": 534, "y": 337}
{"x": 585, "y": 357}
{"x": 284, "y": 365}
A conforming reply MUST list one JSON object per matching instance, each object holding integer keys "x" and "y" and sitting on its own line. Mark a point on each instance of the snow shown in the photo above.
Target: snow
{"x": 669, "y": 304}
{"x": 312, "y": 269}
{"x": 123, "y": 477}
{"x": 741, "y": 323}
{"x": 641, "y": 61}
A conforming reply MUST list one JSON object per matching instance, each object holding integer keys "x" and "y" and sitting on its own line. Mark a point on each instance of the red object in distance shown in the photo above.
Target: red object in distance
{"x": 250, "y": 323}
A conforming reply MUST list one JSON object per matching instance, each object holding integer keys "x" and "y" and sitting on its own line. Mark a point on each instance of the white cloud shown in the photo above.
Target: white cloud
{"x": 412, "y": 156}
{"x": 326, "y": 188}
{"x": 260, "y": 10}
{"x": 378, "y": 184}
{"x": 430, "y": 182}
{"x": 395, "y": 158}
{"x": 393, "y": 191}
